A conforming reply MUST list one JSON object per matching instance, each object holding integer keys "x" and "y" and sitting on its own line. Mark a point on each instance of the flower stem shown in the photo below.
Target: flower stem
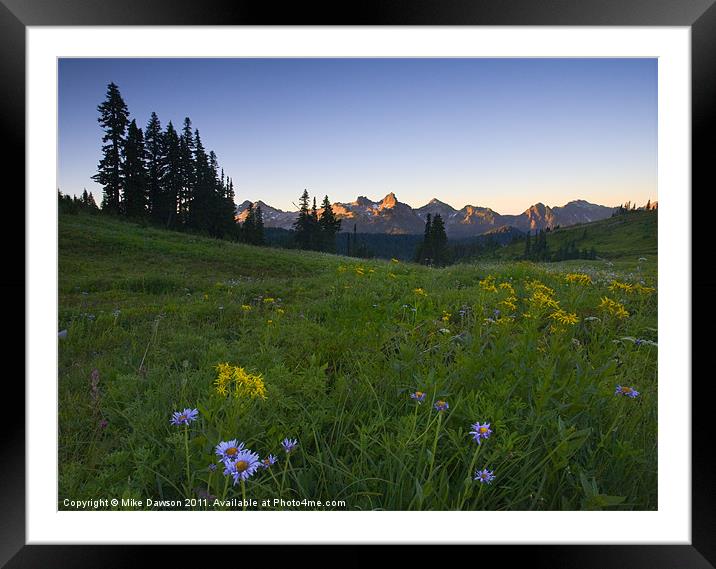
{"x": 243, "y": 493}
{"x": 435, "y": 446}
{"x": 186, "y": 449}
{"x": 469, "y": 475}
{"x": 283, "y": 478}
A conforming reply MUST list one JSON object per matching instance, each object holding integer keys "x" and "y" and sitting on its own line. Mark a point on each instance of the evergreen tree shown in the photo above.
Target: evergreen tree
{"x": 329, "y": 225}
{"x": 172, "y": 180}
{"x": 314, "y": 228}
{"x": 199, "y": 217}
{"x": 248, "y": 228}
{"x": 114, "y": 118}
{"x": 134, "y": 175}
{"x": 258, "y": 226}
{"x": 438, "y": 241}
{"x": 156, "y": 163}
{"x": 302, "y": 225}
{"x": 424, "y": 253}
{"x": 91, "y": 203}
{"x": 528, "y": 253}
{"x": 187, "y": 172}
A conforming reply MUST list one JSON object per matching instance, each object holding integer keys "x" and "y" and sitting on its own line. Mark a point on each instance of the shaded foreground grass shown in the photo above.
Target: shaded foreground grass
{"x": 340, "y": 344}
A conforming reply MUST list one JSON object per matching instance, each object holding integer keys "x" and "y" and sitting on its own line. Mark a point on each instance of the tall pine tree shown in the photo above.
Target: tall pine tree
{"x": 302, "y": 225}
{"x": 156, "y": 163}
{"x": 114, "y": 118}
{"x": 172, "y": 181}
{"x": 134, "y": 175}
{"x": 187, "y": 172}
{"x": 330, "y": 226}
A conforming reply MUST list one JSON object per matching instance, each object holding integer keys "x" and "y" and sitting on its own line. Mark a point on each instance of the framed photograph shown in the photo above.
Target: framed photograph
{"x": 419, "y": 277}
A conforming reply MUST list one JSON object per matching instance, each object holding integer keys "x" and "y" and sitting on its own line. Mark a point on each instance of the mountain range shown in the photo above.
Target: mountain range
{"x": 391, "y": 216}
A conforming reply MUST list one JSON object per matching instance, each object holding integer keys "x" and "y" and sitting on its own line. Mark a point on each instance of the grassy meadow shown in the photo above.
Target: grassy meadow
{"x": 327, "y": 350}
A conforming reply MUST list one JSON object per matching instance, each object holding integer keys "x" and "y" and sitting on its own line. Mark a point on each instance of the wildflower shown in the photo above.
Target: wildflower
{"x": 103, "y": 424}
{"x": 508, "y": 287}
{"x": 480, "y": 431}
{"x": 444, "y": 330}
{"x": 280, "y": 311}
{"x": 245, "y": 465}
{"x": 488, "y": 284}
{"x": 268, "y": 461}
{"x": 441, "y": 405}
{"x": 420, "y": 292}
{"x": 624, "y": 287}
{"x": 627, "y": 391}
{"x": 419, "y": 396}
{"x": 578, "y": 278}
{"x": 542, "y": 298}
{"x": 289, "y": 445}
{"x": 641, "y": 289}
{"x": 392, "y": 275}
{"x": 446, "y": 317}
{"x": 613, "y": 307}
{"x": 564, "y": 317}
{"x": 184, "y": 417}
{"x": 212, "y": 467}
{"x": 484, "y": 476}
{"x": 394, "y": 260}
{"x": 229, "y": 450}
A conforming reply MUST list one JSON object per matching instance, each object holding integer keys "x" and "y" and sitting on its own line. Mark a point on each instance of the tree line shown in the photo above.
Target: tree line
{"x": 164, "y": 175}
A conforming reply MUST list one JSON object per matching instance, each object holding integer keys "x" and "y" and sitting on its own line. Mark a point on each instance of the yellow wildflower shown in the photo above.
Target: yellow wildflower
{"x": 540, "y": 298}
{"x": 488, "y": 284}
{"x": 624, "y": 287}
{"x": 446, "y": 316}
{"x": 641, "y": 289}
{"x": 508, "y": 287}
{"x": 246, "y": 307}
{"x": 564, "y": 317}
{"x": 420, "y": 292}
{"x": 613, "y": 307}
{"x": 394, "y": 261}
{"x": 269, "y": 300}
{"x": 579, "y": 278}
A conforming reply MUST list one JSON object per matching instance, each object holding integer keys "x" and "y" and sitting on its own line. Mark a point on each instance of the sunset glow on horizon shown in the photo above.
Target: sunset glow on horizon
{"x": 497, "y": 133}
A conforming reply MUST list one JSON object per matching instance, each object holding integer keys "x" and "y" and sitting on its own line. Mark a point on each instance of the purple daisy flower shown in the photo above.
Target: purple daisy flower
{"x": 626, "y": 391}
{"x": 484, "y": 476}
{"x": 245, "y": 465}
{"x": 441, "y": 405}
{"x": 212, "y": 467}
{"x": 289, "y": 445}
{"x": 419, "y": 396}
{"x": 480, "y": 431}
{"x": 184, "y": 417}
{"x": 228, "y": 450}
{"x": 268, "y": 461}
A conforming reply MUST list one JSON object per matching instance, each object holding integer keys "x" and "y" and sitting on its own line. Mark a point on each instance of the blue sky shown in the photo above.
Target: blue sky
{"x": 499, "y": 133}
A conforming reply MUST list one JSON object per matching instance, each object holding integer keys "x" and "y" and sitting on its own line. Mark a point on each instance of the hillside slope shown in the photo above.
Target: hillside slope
{"x": 625, "y": 236}
{"x": 339, "y": 345}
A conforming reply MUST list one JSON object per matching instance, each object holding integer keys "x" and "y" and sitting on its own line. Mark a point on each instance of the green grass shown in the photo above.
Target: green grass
{"x": 340, "y": 348}
{"x": 623, "y": 239}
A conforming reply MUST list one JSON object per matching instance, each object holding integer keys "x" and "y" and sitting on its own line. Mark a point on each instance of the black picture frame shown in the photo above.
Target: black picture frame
{"x": 699, "y": 15}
